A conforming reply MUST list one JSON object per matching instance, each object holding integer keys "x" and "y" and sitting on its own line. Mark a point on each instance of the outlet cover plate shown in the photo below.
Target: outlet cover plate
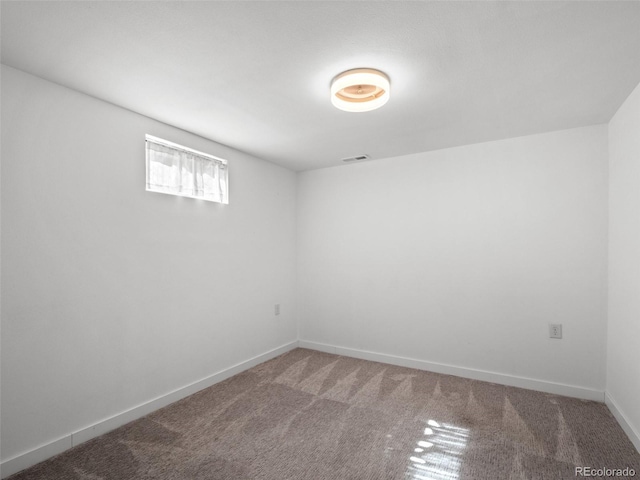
{"x": 555, "y": 330}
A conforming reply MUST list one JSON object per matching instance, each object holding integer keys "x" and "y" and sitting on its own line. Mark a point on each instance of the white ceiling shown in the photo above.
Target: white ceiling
{"x": 256, "y": 75}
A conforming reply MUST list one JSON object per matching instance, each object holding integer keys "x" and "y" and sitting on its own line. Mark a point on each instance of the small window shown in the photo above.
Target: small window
{"x": 178, "y": 170}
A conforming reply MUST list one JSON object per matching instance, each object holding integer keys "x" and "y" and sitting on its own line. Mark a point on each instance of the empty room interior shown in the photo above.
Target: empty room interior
{"x": 320, "y": 240}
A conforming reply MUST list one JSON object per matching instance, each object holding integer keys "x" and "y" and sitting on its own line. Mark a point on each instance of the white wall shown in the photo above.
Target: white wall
{"x": 623, "y": 352}
{"x": 460, "y": 256}
{"x": 112, "y": 296}
{"x": 463, "y": 256}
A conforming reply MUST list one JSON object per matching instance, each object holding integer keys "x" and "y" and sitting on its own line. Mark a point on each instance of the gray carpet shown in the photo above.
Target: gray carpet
{"x": 311, "y": 415}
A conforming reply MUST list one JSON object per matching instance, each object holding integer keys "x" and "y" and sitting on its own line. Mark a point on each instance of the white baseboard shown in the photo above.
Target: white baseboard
{"x": 50, "y": 449}
{"x": 628, "y": 428}
{"x": 493, "y": 377}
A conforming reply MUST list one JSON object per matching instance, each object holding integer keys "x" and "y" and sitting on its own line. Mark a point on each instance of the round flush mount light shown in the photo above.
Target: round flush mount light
{"x": 360, "y": 90}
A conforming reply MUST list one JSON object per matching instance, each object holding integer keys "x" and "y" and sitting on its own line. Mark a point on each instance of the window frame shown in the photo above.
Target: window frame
{"x": 221, "y": 162}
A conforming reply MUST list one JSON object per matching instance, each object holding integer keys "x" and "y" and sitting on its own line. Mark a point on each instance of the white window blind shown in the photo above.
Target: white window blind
{"x": 178, "y": 170}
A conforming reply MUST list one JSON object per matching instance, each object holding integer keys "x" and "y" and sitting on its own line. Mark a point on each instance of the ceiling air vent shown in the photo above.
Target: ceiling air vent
{"x": 357, "y": 158}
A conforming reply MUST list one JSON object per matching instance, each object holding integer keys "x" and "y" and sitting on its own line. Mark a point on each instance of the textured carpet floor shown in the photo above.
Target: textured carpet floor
{"x": 311, "y": 415}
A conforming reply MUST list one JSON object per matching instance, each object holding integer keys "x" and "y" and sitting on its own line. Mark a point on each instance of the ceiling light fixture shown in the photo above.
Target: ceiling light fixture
{"x": 360, "y": 90}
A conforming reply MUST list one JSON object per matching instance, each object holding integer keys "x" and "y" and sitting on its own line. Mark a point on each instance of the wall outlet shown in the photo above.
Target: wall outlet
{"x": 276, "y": 309}
{"x": 555, "y": 330}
